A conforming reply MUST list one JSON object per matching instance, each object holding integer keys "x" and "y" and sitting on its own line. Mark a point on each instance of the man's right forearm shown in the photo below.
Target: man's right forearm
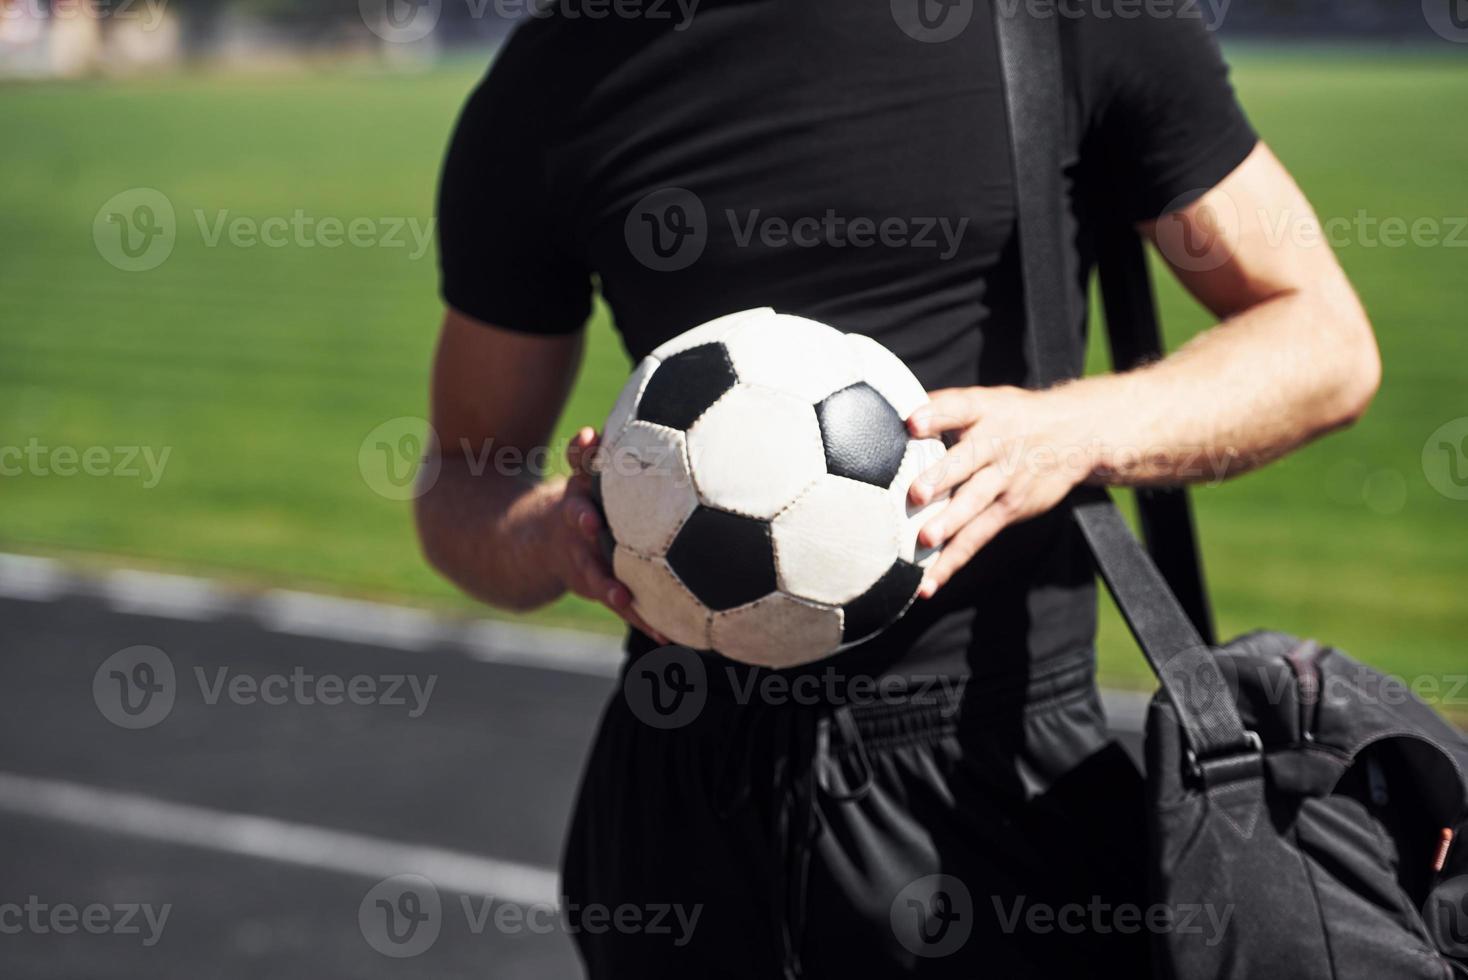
{"x": 487, "y": 534}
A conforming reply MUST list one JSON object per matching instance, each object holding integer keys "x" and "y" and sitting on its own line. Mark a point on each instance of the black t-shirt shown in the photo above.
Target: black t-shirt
{"x": 815, "y": 156}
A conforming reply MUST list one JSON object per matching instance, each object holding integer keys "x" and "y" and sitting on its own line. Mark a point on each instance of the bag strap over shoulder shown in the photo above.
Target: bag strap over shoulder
{"x": 1132, "y": 327}
{"x": 1029, "y": 56}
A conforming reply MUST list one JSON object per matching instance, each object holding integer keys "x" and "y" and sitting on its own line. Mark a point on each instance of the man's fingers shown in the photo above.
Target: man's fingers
{"x": 580, "y": 484}
{"x": 594, "y": 580}
{"x": 598, "y": 584}
{"x": 580, "y": 514}
{"x": 963, "y": 546}
{"x": 967, "y": 502}
{"x": 946, "y": 408}
{"x": 582, "y": 449}
{"x": 622, "y": 606}
{"x": 959, "y": 463}
{"x": 636, "y": 622}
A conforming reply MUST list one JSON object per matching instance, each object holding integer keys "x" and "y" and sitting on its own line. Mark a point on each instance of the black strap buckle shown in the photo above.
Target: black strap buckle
{"x": 1229, "y": 766}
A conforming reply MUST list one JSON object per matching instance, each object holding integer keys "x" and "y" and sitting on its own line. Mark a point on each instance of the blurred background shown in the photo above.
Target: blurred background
{"x": 235, "y": 701}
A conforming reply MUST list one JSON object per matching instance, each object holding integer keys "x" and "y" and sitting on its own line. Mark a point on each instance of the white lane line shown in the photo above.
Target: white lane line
{"x": 543, "y": 647}
{"x": 33, "y": 579}
{"x": 267, "y": 838}
{"x": 169, "y": 596}
{"x": 353, "y": 620}
{"x": 327, "y": 617}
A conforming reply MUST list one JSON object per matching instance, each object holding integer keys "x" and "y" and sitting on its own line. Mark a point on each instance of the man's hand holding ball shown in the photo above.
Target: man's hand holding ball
{"x": 572, "y": 526}
{"x": 1013, "y": 454}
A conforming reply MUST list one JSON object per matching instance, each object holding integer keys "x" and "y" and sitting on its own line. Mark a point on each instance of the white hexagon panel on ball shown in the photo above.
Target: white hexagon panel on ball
{"x": 835, "y": 542}
{"x": 792, "y": 354}
{"x": 777, "y": 631}
{"x": 646, "y": 488}
{"x": 661, "y": 599}
{"x": 754, "y": 451}
{"x": 921, "y": 454}
{"x": 884, "y": 371}
{"x": 624, "y": 406}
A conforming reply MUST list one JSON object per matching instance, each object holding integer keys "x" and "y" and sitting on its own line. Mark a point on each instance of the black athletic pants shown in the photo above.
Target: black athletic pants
{"x": 957, "y": 831}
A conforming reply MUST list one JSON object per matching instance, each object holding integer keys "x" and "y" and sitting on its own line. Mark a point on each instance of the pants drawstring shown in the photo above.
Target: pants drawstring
{"x": 828, "y": 766}
{"x": 803, "y": 767}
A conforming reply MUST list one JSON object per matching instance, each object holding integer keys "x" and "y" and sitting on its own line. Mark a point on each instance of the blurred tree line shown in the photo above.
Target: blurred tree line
{"x": 309, "y": 21}
{"x": 312, "y": 21}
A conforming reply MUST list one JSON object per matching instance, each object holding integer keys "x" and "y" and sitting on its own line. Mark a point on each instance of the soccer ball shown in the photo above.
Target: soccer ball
{"x": 754, "y": 475}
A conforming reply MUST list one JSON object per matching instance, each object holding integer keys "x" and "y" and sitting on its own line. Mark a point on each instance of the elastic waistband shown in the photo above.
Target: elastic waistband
{"x": 971, "y": 703}
{"x": 892, "y": 705}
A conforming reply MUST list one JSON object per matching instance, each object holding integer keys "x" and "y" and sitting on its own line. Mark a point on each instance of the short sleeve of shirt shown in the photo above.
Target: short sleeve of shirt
{"x": 503, "y": 256}
{"x": 1163, "y": 117}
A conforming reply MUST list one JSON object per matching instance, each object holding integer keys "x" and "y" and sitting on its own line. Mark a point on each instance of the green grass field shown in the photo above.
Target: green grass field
{"x": 263, "y": 368}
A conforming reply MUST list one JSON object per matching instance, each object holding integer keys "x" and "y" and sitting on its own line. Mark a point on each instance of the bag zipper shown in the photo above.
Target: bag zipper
{"x": 1303, "y": 664}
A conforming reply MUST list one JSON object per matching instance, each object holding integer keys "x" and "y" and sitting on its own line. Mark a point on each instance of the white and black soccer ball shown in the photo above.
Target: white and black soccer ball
{"x": 754, "y": 475}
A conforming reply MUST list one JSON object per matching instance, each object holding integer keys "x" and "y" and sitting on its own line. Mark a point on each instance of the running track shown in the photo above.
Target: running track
{"x": 264, "y": 828}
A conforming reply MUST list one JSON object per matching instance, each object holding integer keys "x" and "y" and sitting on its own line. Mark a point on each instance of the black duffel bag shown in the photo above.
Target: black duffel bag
{"x": 1306, "y": 800}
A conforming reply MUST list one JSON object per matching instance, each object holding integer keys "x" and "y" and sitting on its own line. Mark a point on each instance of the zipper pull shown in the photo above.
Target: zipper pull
{"x": 1443, "y": 846}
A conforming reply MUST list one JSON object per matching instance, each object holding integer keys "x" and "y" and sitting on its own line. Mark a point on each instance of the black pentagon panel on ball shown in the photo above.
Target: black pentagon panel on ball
{"x": 725, "y": 559}
{"x": 685, "y": 385}
{"x": 878, "y": 607}
{"x": 865, "y": 438}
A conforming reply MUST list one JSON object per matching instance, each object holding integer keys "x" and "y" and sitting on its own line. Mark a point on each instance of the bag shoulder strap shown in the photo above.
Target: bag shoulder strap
{"x": 1029, "y": 56}
{"x": 1135, "y": 334}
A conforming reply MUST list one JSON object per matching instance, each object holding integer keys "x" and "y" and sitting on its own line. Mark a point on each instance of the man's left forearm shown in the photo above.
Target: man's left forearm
{"x": 1245, "y": 392}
